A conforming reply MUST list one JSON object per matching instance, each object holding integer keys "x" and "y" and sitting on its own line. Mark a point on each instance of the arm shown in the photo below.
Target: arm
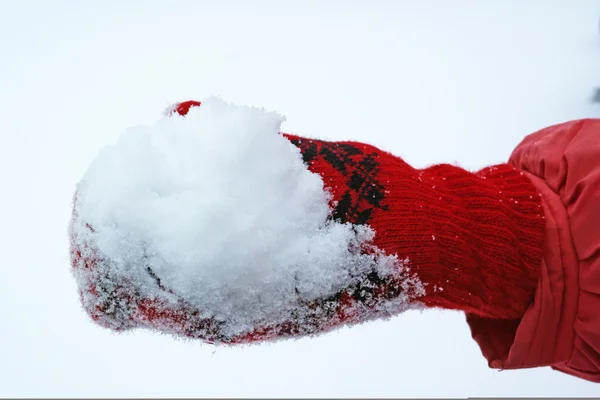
{"x": 462, "y": 241}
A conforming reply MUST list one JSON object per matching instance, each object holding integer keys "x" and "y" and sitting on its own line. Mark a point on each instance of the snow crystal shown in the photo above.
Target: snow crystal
{"x": 218, "y": 209}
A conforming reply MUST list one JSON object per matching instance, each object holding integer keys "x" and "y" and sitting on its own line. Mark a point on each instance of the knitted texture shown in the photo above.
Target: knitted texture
{"x": 474, "y": 239}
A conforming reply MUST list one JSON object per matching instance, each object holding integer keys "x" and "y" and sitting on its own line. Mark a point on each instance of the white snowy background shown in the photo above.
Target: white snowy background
{"x": 432, "y": 81}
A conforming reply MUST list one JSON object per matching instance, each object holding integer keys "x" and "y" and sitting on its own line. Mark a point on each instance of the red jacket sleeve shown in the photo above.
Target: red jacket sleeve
{"x": 561, "y": 328}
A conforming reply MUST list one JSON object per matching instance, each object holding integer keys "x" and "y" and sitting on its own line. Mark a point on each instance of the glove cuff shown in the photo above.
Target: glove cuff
{"x": 485, "y": 234}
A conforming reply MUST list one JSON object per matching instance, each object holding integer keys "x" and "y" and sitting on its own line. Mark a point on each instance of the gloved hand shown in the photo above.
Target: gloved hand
{"x": 464, "y": 241}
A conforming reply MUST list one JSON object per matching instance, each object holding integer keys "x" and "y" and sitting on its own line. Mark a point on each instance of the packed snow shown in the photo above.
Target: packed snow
{"x": 218, "y": 209}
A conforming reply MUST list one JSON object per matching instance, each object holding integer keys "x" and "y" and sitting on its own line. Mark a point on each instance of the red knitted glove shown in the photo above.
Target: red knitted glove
{"x": 474, "y": 241}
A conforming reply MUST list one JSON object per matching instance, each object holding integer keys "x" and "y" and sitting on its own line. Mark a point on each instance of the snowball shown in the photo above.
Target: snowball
{"x": 217, "y": 208}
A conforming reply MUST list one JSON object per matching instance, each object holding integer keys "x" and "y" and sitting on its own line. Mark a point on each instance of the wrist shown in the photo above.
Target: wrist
{"x": 485, "y": 247}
